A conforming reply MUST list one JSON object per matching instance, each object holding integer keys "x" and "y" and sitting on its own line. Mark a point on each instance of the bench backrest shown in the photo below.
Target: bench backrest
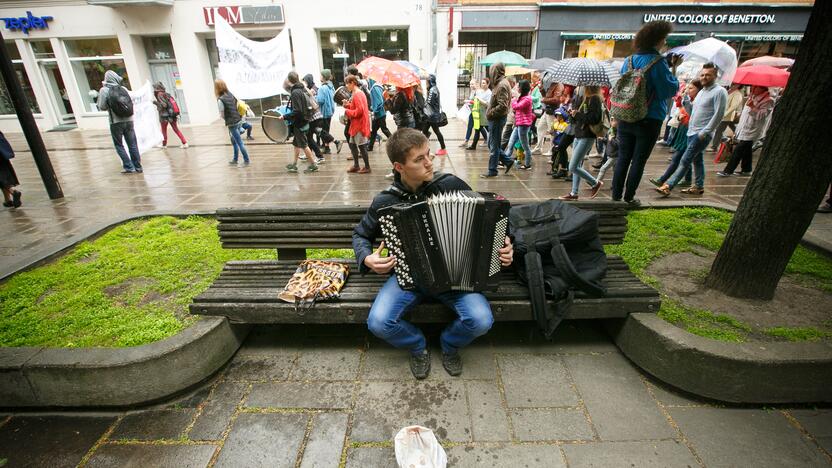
{"x": 292, "y": 230}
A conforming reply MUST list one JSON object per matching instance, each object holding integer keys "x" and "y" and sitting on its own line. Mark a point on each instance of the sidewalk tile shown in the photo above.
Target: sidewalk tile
{"x": 153, "y": 424}
{"x": 217, "y": 411}
{"x": 50, "y": 440}
{"x": 535, "y": 381}
{"x": 647, "y": 454}
{"x": 263, "y": 440}
{"x": 555, "y": 424}
{"x": 527, "y": 456}
{"x": 142, "y": 456}
{"x": 375, "y": 457}
{"x": 488, "y": 417}
{"x": 325, "y": 441}
{"x": 329, "y": 395}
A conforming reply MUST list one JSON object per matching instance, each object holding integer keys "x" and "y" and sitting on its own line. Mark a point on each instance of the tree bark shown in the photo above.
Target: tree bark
{"x": 790, "y": 179}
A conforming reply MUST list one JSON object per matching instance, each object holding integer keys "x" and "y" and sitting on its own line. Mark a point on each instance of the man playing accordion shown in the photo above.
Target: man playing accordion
{"x": 414, "y": 180}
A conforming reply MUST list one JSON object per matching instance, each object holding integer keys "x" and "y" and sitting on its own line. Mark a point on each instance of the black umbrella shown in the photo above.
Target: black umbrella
{"x": 581, "y": 72}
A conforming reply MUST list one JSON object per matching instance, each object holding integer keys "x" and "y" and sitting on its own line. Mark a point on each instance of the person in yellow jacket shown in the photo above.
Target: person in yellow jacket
{"x": 478, "y": 108}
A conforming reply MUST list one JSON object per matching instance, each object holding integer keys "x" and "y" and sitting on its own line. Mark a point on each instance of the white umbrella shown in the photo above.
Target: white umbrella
{"x": 715, "y": 51}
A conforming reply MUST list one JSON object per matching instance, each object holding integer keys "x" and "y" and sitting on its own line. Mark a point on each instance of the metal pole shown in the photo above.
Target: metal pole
{"x": 27, "y": 123}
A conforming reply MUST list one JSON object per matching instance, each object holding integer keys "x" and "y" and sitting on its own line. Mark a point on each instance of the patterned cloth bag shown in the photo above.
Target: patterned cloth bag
{"x": 629, "y": 98}
{"x": 315, "y": 280}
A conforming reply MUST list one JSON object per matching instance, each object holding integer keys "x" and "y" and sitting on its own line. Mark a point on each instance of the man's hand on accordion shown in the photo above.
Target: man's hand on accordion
{"x": 383, "y": 265}
{"x": 506, "y": 253}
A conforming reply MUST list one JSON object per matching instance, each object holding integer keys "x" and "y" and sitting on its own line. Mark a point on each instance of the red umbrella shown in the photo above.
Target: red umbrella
{"x": 388, "y": 72}
{"x": 776, "y": 62}
{"x": 761, "y": 75}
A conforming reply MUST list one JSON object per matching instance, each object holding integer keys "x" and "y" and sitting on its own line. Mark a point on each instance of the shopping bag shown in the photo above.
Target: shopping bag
{"x": 315, "y": 280}
{"x": 726, "y": 148}
{"x": 463, "y": 113}
{"x": 417, "y": 447}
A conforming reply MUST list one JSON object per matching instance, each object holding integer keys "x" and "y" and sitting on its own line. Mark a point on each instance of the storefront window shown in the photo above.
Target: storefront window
{"x": 42, "y": 50}
{"x": 475, "y": 45}
{"x": 340, "y": 49}
{"x": 610, "y": 45}
{"x": 6, "y": 105}
{"x": 159, "y": 48}
{"x": 747, "y": 50}
{"x": 91, "y": 58}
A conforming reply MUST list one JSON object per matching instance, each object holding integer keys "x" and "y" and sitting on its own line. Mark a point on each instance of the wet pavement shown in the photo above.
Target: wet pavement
{"x": 333, "y": 396}
{"x": 200, "y": 179}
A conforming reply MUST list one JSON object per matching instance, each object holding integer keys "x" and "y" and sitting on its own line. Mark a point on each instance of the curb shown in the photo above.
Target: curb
{"x": 117, "y": 377}
{"x": 730, "y": 372}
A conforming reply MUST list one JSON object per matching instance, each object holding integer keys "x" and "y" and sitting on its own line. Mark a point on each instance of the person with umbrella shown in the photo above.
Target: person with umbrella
{"x": 637, "y": 139}
{"x": 755, "y": 115}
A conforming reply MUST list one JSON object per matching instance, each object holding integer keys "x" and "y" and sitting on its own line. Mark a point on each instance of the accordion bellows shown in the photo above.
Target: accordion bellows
{"x": 449, "y": 242}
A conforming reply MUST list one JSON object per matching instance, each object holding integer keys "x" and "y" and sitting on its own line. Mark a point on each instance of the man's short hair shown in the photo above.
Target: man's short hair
{"x": 401, "y": 142}
{"x": 351, "y": 79}
{"x": 352, "y": 70}
{"x": 293, "y": 77}
{"x": 710, "y": 65}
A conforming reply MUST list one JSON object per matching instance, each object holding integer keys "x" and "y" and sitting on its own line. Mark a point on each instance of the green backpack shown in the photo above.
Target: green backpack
{"x": 629, "y": 100}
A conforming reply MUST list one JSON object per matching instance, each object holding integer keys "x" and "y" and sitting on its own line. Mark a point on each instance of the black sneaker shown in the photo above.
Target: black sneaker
{"x": 420, "y": 364}
{"x": 16, "y": 195}
{"x": 452, "y": 363}
{"x": 634, "y": 203}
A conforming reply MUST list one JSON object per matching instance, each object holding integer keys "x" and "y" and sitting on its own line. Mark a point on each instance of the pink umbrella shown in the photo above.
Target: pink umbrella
{"x": 388, "y": 72}
{"x": 776, "y": 62}
{"x": 761, "y": 75}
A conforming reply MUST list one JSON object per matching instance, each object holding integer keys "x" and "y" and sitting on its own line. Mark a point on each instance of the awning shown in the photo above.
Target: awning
{"x": 783, "y": 37}
{"x": 120, "y": 3}
{"x": 617, "y": 36}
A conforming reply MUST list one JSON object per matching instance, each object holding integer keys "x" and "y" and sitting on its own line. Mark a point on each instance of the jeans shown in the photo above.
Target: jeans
{"x": 175, "y": 128}
{"x": 635, "y": 143}
{"x": 247, "y": 127}
{"x": 742, "y": 153}
{"x": 521, "y": 132}
{"x": 470, "y": 127}
{"x": 495, "y": 134}
{"x": 671, "y": 168}
{"x": 237, "y": 142}
{"x": 379, "y": 123}
{"x": 582, "y": 147}
{"x": 385, "y": 321}
{"x": 125, "y": 131}
{"x": 693, "y": 155}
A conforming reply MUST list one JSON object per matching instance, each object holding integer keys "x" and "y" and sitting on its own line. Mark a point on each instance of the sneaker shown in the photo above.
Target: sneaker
{"x": 568, "y": 196}
{"x": 292, "y": 168}
{"x": 338, "y": 145}
{"x": 246, "y": 163}
{"x": 185, "y": 145}
{"x": 233, "y": 162}
{"x": 524, "y": 167}
{"x": 656, "y": 182}
{"x": 353, "y": 169}
{"x": 509, "y": 166}
{"x": 139, "y": 170}
{"x": 442, "y": 152}
{"x": 470, "y": 148}
{"x": 16, "y": 196}
{"x": 724, "y": 174}
{"x": 487, "y": 176}
{"x": 161, "y": 146}
{"x": 364, "y": 170}
{"x": 634, "y": 203}
{"x": 127, "y": 171}
{"x": 464, "y": 144}
{"x": 825, "y": 208}
{"x": 744, "y": 174}
{"x": 420, "y": 364}
{"x": 311, "y": 168}
{"x": 596, "y": 188}
{"x": 320, "y": 160}
{"x": 302, "y": 157}
{"x": 249, "y": 137}
{"x": 452, "y": 363}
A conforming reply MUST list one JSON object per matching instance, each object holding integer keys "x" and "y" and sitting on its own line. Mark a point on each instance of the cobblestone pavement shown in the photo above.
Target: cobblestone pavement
{"x": 200, "y": 179}
{"x": 328, "y": 396}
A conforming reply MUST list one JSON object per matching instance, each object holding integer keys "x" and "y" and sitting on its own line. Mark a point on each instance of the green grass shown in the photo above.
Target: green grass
{"x": 652, "y": 234}
{"x": 129, "y": 287}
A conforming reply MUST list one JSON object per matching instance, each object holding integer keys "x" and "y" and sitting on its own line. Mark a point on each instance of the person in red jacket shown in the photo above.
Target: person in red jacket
{"x": 359, "y": 129}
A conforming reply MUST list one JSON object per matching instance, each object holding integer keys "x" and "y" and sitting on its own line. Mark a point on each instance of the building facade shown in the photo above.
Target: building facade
{"x": 61, "y": 61}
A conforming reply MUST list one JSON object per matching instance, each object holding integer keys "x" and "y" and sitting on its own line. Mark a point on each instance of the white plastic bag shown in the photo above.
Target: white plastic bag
{"x": 417, "y": 447}
{"x": 463, "y": 113}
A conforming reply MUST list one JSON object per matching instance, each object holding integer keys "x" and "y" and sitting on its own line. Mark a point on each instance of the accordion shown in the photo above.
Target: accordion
{"x": 449, "y": 242}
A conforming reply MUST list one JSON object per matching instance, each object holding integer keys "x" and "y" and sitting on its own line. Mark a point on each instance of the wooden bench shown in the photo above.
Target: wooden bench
{"x": 246, "y": 291}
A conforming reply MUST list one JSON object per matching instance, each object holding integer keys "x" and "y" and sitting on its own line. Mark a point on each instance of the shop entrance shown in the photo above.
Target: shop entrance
{"x": 475, "y": 45}
{"x": 57, "y": 92}
{"x": 168, "y": 74}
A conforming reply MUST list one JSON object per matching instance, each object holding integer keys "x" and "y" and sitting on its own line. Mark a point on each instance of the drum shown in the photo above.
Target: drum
{"x": 274, "y": 128}
{"x": 341, "y": 94}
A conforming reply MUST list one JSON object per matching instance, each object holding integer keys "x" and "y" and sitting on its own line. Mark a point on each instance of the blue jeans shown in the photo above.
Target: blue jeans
{"x": 495, "y": 135}
{"x": 245, "y": 126}
{"x": 470, "y": 127}
{"x": 521, "y": 132}
{"x": 674, "y": 164}
{"x": 635, "y": 143}
{"x": 237, "y": 142}
{"x": 582, "y": 147}
{"x": 125, "y": 131}
{"x": 392, "y": 302}
{"x": 693, "y": 155}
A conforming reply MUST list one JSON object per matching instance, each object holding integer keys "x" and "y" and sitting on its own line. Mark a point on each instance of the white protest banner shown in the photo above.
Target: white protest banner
{"x": 145, "y": 118}
{"x": 252, "y": 69}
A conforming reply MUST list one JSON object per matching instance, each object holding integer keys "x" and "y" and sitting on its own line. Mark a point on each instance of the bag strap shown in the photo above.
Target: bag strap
{"x": 652, "y": 62}
{"x": 568, "y": 272}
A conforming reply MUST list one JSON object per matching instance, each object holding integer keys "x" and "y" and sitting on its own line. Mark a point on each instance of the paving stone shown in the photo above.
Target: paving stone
{"x": 54, "y": 441}
{"x": 263, "y": 440}
{"x": 259, "y": 368}
{"x": 328, "y": 359}
{"x": 554, "y": 424}
{"x": 328, "y": 395}
{"x": 383, "y": 408}
{"x": 572, "y": 337}
{"x": 154, "y": 424}
{"x": 323, "y": 449}
{"x": 194, "y": 399}
{"x": 817, "y": 422}
{"x": 159, "y": 456}
{"x": 382, "y": 362}
{"x": 217, "y": 411}
{"x": 746, "y": 437}
{"x": 376, "y": 457}
{"x": 527, "y": 456}
{"x": 648, "y": 454}
{"x": 617, "y": 400}
{"x": 488, "y": 418}
{"x": 535, "y": 381}
{"x": 670, "y": 396}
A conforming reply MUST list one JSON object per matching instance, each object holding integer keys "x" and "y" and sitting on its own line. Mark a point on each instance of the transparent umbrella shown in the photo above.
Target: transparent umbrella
{"x": 711, "y": 50}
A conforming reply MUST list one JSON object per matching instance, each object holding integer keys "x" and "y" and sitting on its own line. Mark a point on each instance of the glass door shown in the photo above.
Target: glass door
{"x": 57, "y": 91}
{"x": 168, "y": 74}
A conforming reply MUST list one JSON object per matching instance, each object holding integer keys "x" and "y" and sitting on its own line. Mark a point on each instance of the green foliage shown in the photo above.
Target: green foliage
{"x": 798, "y": 333}
{"x": 129, "y": 287}
{"x": 703, "y": 323}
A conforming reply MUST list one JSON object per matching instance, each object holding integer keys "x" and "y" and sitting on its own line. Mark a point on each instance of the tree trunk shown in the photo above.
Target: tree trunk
{"x": 791, "y": 177}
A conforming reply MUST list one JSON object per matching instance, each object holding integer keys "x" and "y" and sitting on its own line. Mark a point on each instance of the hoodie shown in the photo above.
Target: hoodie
{"x": 433, "y": 109}
{"x": 377, "y": 100}
{"x": 310, "y": 84}
{"x": 498, "y": 107}
{"x": 161, "y": 100}
{"x": 111, "y": 80}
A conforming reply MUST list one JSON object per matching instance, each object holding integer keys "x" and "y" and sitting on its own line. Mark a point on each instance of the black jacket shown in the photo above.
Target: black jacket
{"x": 365, "y": 233}
{"x": 589, "y": 115}
{"x": 297, "y": 101}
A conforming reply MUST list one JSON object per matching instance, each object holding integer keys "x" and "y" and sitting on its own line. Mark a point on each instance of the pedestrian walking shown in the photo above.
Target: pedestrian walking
{"x": 708, "y": 110}
{"x": 115, "y": 99}
{"x": 245, "y": 113}
{"x": 680, "y": 141}
{"x": 753, "y": 122}
{"x": 8, "y": 178}
{"x": 168, "y": 110}
{"x": 401, "y": 105}
{"x": 301, "y": 113}
{"x": 227, "y": 107}
{"x": 637, "y": 139}
{"x": 470, "y": 104}
{"x": 379, "y": 113}
{"x": 478, "y": 109}
{"x": 560, "y": 156}
{"x": 587, "y": 113}
{"x": 497, "y": 112}
{"x": 537, "y": 107}
{"x": 732, "y": 115}
{"x": 610, "y": 151}
{"x": 523, "y": 119}
{"x": 358, "y": 114}
{"x": 326, "y": 103}
{"x": 550, "y": 101}
{"x": 433, "y": 115}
